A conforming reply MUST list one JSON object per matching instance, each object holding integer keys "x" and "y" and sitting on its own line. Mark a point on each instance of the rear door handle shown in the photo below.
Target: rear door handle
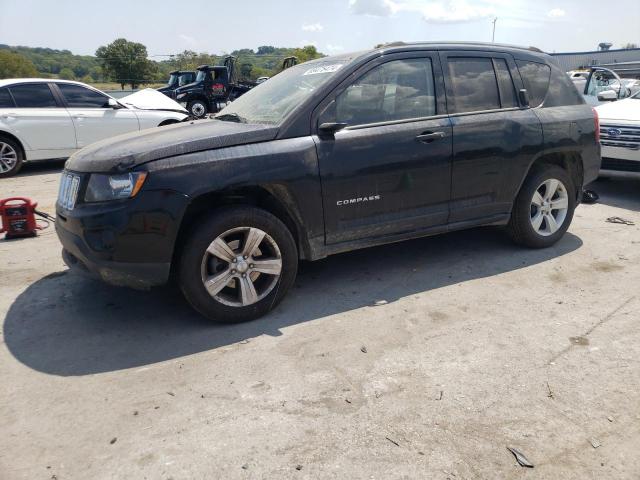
{"x": 428, "y": 137}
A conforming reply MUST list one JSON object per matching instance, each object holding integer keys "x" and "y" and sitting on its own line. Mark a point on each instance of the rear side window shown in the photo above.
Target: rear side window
{"x": 473, "y": 85}
{"x": 396, "y": 90}
{"x": 562, "y": 90}
{"x": 507, "y": 90}
{"x": 5, "y": 99}
{"x": 535, "y": 77}
{"x": 78, "y": 96}
{"x": 33, "y": 95}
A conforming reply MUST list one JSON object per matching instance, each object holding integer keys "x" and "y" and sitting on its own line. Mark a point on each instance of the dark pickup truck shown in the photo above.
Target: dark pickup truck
{"x": 177, "y": 78}
{"x": 213, "y": 88}
{"x": 340, "y": 153}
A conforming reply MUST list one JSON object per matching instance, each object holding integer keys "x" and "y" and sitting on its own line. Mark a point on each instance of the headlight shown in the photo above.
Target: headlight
{"x": 181, "y": 95}
{"x": 113, "y": 187}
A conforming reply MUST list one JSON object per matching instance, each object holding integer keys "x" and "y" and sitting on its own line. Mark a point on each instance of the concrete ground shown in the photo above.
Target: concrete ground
{"x": 419, "y": 360}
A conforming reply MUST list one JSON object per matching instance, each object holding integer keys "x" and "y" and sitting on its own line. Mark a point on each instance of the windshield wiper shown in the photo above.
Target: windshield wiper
{"x": 230, "y": 117}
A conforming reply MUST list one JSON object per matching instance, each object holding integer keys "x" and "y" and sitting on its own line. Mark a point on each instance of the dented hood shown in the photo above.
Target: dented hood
{"x": 150, "y": 99}
{"x": 127, "y": 151}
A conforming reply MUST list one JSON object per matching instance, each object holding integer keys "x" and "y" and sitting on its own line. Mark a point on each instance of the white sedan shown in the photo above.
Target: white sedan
{"x": 44, "y": 119}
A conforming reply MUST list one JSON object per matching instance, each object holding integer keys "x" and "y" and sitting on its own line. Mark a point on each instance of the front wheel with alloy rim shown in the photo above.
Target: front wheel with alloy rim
{"x": 237, "y": 264}
{"x": 10, "y": 157}
{"x": 198, "y": 108}
{"x": 544, "y": 207}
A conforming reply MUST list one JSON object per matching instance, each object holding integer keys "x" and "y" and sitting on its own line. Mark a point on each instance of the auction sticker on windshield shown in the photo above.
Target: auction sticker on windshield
{"x": 325, "y": 69}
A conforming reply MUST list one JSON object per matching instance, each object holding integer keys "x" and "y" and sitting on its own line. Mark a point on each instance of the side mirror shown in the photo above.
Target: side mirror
{"x": 328, "y": 129}
{"x": 113, "y": 104}
{"x": 607, "y": 96}
{"x": 523, "y": 96}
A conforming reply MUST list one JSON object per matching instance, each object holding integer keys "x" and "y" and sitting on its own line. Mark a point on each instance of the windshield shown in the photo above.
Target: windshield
{"x": 201, "y": 75}
{"x": 271, "y": 102}
{"x": 172, "y": 79}
{"x": 636, "y": 95}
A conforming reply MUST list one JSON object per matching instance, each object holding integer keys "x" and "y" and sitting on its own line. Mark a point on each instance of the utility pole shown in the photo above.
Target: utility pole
{"x": 493, "y": 35}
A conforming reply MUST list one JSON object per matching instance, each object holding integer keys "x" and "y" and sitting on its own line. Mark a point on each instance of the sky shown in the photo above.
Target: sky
{"x": 333, "y": 26}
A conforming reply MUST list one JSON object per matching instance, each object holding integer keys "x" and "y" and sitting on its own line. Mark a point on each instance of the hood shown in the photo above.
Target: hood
{"x": 150, "y": 99}
{"x": 127, "y": 151}
{"x": 625, "y": 110}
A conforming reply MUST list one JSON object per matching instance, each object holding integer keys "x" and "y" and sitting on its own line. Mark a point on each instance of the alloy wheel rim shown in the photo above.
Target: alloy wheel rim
{"x": 8, "y": 157}
{"x": 241, "y": 266}
{"x": 549, "y": 207}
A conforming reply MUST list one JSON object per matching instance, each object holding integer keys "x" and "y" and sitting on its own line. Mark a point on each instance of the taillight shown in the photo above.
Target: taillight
{"x": 596, "y": 121}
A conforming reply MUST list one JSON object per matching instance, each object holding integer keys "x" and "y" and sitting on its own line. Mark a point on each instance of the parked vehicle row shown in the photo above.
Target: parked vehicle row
{"x": 44, "y": 119}
{"x": 332, "y": 155}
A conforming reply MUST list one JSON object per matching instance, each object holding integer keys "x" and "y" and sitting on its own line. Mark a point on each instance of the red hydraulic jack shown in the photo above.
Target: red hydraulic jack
{"x": 18, "y": 217}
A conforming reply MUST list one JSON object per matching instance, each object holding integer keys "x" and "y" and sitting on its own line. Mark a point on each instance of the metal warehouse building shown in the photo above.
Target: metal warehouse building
{"x": 619, "y": 60}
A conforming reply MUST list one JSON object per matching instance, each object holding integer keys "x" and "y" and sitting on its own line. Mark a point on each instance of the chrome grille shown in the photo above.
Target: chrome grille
{"x": 621, "y": 136}
{"x": 68, "y": 192}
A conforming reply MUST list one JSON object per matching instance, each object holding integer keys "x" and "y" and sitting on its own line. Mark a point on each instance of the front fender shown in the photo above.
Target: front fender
{"x": 287, "y": 169}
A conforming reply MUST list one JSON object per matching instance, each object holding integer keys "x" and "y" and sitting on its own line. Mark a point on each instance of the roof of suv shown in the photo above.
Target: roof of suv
{"x": 517, "y": 51}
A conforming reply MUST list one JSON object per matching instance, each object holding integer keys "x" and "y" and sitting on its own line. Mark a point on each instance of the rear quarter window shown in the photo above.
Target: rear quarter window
{"x": 562, "y": 90}
{"x": 535, "y": 77}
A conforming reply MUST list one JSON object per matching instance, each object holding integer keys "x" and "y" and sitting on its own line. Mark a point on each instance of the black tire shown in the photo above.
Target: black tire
{"x": 520, "y": 226}
{"x": 19, "y": 158}
{"x": 190, "y": 274}
{"x": 198, "y": 108}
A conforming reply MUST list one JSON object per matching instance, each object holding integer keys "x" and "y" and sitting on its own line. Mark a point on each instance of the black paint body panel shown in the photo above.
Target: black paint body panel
{"x": 468, "y": 177}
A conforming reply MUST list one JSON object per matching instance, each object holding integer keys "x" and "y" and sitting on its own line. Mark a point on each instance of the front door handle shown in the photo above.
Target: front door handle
{"x": 428, "y": 137}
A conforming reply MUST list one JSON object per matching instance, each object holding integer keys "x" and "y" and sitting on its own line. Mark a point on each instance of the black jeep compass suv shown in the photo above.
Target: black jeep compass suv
{"x": 332, "y": 155}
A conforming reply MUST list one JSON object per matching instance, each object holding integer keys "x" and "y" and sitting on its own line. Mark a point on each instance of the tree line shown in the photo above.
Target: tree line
{"x": 128, "y": 63}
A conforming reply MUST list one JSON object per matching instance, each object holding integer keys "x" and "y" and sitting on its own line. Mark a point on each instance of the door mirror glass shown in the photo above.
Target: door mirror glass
{"x": 607, "y": 96}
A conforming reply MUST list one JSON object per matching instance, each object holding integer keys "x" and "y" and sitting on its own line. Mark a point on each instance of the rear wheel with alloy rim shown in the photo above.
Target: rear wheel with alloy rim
{"x": 544, "y": 207}
{"x": 238, "y": 264}
{"x": 10, "y": 157}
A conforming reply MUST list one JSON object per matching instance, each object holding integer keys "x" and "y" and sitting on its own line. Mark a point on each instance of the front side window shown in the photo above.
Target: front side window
{"x": 473, "y": 85}
{"x": 78, "y": 96}
{"x": 33, "y": 95}
{"x": 535, "y": 77}
{"x": 397, "y": 90}
{"x": 5, "y": 98}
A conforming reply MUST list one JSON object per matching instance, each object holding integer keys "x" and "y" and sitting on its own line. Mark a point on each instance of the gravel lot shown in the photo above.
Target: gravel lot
{"x": 419, "y": 360}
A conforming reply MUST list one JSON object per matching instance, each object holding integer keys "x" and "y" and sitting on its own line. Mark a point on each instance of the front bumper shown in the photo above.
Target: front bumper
{"x": 134, "y": 275}
{"x": 125, "y": 243}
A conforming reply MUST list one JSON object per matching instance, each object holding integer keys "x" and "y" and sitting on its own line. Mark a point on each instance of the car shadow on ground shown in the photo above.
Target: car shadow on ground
{"x": 41, "y": 167}
{"x": 67, "y": 325}
{"x": 618, "y": 191}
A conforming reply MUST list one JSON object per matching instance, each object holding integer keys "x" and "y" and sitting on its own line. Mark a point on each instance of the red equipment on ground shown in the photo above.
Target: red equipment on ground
{"x": 18, "y": 217}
